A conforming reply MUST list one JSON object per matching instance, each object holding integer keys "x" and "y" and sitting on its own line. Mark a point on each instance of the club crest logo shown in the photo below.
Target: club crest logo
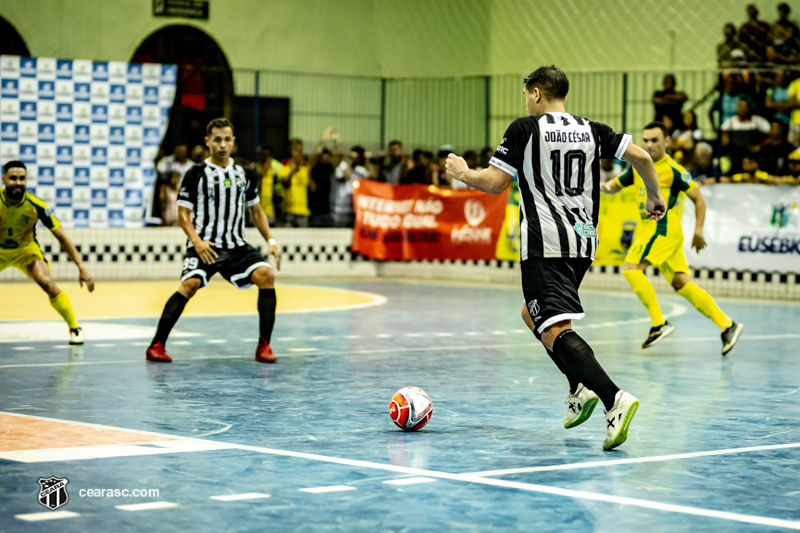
{"x": 53, "y": 492}
{"x": 474, "y": 212}
{"x": 533, "y": 308}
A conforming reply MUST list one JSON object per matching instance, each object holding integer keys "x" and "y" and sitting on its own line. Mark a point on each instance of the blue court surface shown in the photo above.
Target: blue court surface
{"x": 307, "y": 444}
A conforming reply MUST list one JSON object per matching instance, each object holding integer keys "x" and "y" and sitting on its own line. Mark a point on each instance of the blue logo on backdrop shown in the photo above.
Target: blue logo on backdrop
{"x": 151, "y": 137}
{"x": 100, "y": 71}
{"x": 99, "y": 114}
{"x": 81, "y": 177}
{"x": 47, "y": 176}
{"x": 63, "y": 197}
{"x": 82, "y": 93}
{"x": 47, "y": 133}
{"x": 82, "y": 134}
{"x": 148, "y": 174}
{"x": 116, "y": 177}
{"x": 168, "y": 74}
{"x": 133, "y": 157}
{"x": 27, "y": 67}
{"x": 64, "y": 69}
{"x": 80, "y": 217}
{"x": 64, "y": 112}
{"x": 133, "y": 198}
{"x": 117, "y": 94}
{"x": 151, "y": 95}
{"x": 9, "y": 132}
{"x": 64, "y": 155}
{"x": 99, "y": 197}
{"x": 134, "y": 115}
{"x": 116, "y": 218}
{"x": 116, "y": 135}
{"x": 10, "y": 89}
{"x": 47, "y": 90}
{"x": 27, "y": 111}
{"x": 27, "y": 153}
{"x": 134, "y": 73}
{"x": 99, "y": 155}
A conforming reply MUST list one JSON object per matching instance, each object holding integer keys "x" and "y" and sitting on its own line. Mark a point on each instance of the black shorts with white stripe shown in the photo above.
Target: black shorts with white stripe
{"x": 550, "y": 287}
{"x": 235, "y": 265}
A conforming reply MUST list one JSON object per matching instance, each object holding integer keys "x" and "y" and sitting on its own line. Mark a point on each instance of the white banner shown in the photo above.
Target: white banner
{"x": 88, "y": 132}
{"x": 748, "y": 227}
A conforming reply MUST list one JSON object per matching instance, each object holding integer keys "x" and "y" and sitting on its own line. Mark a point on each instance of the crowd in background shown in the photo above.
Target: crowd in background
{"x": 754, "y": 138}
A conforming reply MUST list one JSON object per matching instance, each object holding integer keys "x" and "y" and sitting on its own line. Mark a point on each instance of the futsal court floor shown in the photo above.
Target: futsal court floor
{"x": 307, "y": 444}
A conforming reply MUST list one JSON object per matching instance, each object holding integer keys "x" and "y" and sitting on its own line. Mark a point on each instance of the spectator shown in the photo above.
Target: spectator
{"x": 199, "y": 154}
{"x": 346, "y": 173}
{"x": 725, "y": 48}
{"x": 168, "y": 199}
{"x": 421, "y": 172}
{"x": 685, "y": 137}
{"x": 294, "y": 178}
{"x": 486, "y": 154}
{"x": 785, "y": 37}
{"x": 751, "y": 173}
{"x": 704, "y": 168}
{"x": 742, "y": 134}
{"x": 794, "y": 166}
{"x": 439, "y": 176}
{"x": 755, "y": 35}
{"x": 668, "y": 102}
{"x": 395, "y": 165}
{"x": 319, "y": 190}
{"x": 794, "y": 117}
{"x": 777, "y": 100}
{"x": 774, "y": 153}
{"x": 727, "y": 102}
{"x": 267, "y": 169}
{"x": 609, "y": 169}
{"x": 177, "y": 162}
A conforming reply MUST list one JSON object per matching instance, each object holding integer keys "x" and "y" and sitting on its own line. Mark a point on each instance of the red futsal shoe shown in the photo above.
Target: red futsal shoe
{"x": 157, "y": 354}
{"x": 264, "y": 353}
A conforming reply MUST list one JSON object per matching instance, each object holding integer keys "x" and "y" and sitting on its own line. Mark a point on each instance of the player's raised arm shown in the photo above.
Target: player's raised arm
{"x": 72, "y": 252}
{"x": 491, "y": 179}
{"x": 656, "y": 206}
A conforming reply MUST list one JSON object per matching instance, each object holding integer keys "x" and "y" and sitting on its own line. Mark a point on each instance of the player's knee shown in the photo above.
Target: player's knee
{"x": 263, "y": 278}
{"x": 189, "y": 287}
{"x": 679, "y": 281}
{"x": 632, "y": 266}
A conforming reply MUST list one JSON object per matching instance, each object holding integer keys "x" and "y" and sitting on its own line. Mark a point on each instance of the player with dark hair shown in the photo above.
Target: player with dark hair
{"x": 19, "y": 212}
{"x": 557, "y": 157}
{"x": 661, "y": 243}
{"x": 211, "y": 209}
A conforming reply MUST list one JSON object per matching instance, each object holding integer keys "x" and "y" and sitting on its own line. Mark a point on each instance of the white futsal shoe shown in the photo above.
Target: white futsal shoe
{"x": 76, "y": 336}
{"x": 618, "y": 419}
{"x": 581, "y": 404}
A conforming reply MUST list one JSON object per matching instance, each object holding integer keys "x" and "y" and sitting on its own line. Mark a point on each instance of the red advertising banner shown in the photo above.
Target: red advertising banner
{"x": 408, "y": 222}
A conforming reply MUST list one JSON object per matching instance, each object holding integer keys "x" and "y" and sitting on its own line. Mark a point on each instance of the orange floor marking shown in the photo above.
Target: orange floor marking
{"x": 23, "y": 433}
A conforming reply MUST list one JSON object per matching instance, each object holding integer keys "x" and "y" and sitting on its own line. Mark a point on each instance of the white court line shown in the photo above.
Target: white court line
{"x": 320, "y": 338}
{"x": 238, "y": 497}
{"x": 50, "y": 515}
{"x": 146, "y": 506}
{"x": 180, "y": 343}
{"x": 22, "y": 348}
{"x": 305, "y": 350}
{"x": 334, "y": 488}
{"x": 576, "y": 494}
{"x": 633, "y": 460}
{"x": 104, "y": 345}
{"x": 410, "y": 481}
{"x": 217, "y": 341}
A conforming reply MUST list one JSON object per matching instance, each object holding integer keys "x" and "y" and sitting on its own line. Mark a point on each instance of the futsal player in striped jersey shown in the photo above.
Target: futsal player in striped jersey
{"x": 211, "y": 210}
{"x": 557, "y": 157}
{"x": 661, "y": 243}
{"x": 19, "y": 212}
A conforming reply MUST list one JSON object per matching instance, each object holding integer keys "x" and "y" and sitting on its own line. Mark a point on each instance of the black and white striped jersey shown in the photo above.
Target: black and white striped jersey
{"x": 557, "y": 158}
{"x": 217, "y": 197}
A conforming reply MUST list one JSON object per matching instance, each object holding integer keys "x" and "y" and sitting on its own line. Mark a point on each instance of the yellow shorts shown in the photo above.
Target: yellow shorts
{"x": 664, "y": 253}
{"x": 20, "y": 257}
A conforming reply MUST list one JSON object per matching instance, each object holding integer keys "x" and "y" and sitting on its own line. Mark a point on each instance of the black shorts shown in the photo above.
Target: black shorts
{"x": 550, "y": 288}
{"x": 235, "y": 265}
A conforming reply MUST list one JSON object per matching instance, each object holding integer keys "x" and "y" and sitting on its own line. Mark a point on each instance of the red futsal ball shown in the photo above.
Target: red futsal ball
{"x": 410, "y": 408}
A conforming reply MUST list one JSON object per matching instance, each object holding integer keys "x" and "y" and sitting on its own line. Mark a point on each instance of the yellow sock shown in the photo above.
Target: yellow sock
{"x": 646, "y": 293}
{"x": 703, "y": 302}
{"x": 61, "y": 304}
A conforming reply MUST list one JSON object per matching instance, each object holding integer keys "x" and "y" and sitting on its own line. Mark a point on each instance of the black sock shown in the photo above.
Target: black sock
{"x": 266, "y": 312}
{"x": 573, "y": 382}
{"x": 172, "y": 312}
{"x": 578, "y": 358}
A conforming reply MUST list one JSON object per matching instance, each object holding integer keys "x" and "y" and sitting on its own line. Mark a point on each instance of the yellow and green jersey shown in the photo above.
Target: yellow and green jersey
{"x": 675, "y": 182}
{"x": 17, "y": 222}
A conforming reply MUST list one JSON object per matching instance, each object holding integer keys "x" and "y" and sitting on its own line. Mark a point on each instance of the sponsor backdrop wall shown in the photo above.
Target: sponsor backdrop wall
{"x": 88, "y": 132}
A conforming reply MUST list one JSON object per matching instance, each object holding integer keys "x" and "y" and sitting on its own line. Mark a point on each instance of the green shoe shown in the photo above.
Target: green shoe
{"x": 618, "y": 419}
{"x": 581, "y": 404}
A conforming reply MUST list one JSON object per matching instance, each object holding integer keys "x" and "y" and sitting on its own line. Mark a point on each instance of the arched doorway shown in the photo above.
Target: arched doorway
{"x": 11, "y": 42}
{"x": 205, "y": 81}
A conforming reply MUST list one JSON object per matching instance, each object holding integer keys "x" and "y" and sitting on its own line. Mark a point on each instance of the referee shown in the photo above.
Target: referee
{"x": 211, "y": 206}
{"x": 557, "y": 157}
